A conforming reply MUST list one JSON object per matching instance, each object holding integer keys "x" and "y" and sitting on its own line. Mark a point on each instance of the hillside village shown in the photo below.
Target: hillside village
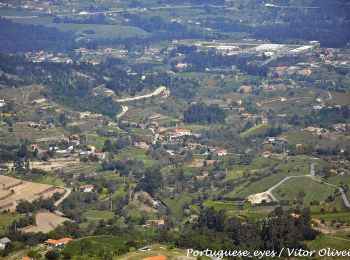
{"x": 133, "y": 129}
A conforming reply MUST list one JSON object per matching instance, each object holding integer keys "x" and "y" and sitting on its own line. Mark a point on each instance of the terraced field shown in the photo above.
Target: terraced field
{"x": 15, "y": 190}
{"x": 87, "y": 168}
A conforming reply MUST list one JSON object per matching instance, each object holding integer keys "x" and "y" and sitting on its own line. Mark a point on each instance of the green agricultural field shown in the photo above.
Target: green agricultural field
{"x": 96, "y": 140}
{"x": 99, "y": 214}
{"x": 141, "y": 154}
{"x": 235, "y": 174}
{"x": 339, "y": 180}
{"x": 254, "y": 130}
{"x": 294, "y": 166}
{"x": 220, "y": 205}
{"x": 135, "y": 214}
{"x": 113, "y": 244}
{"x": 259, "y": 186}
{"x": 87, "y": 168}
{"x": 51, "y": 180}
{"x": 101, "y": 30}
{"x": 190, "y": 171}
{"x": 302, "y": 137}
{"x": 337, "y": 216}
{"x": 115, "y": 129}
{"x": 337, "y": 205}
{"x": 303, "y": 189}
{"x": 175, "y": 205}
{"x": 6, "y": 220}
{"x": 338, "y": 242}
{"x": 254, "y": 212}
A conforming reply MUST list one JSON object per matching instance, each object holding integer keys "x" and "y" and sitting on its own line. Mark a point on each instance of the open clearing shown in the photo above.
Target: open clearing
{"x": 45, "y": 222}
{"x": 22, "y": 190}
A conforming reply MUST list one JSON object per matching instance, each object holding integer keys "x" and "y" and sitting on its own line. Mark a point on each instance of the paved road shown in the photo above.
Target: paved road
{"x": 68, "y": 191}
{"x": 329, "y": 96}
{"x": 154, "y": 93}
{"x": 124, "y": 110}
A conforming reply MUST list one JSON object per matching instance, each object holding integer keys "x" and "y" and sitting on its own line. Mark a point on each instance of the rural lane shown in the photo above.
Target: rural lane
{"x": 68, "y": 192}
{"x": 154, "y": 93}
{"x": 124, "y": 110}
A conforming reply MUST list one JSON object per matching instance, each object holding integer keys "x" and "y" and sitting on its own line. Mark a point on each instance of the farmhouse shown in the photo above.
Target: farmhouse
{"x": 157, "y": 222}
{"x": 200, "y": 178}
{"x": 91, "y": 148}
{"x": 74, "y": 136}
{"x": 100, "y": 156}
{"x": 241, "y": 110}
{"x": 142, "y": 145}
{"x": 3, "y": 242}
{"x": 245, "y": 89}
{"x": 85, "y": 114}
{"x": 86, "y": 188}
{"x": 294, "y": 215}
{"x": 53, "y": 243}
{"x": 221, "y": 152}
{"x": 265, "y": 154}
{"x": 270, "y": 139}
{"x": 179, "y": 133}
{"x": 316, "y": 222}
{"x": 34, "y": 147}
{"x": 161, "y": 129}
{"x": 27, "y": 124}
{"x": 183, "y": 131}
{"x": 246, "y": 115}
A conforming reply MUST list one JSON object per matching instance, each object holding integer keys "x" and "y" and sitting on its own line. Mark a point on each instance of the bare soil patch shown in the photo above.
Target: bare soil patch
{"x": 45, "y": 222}
{"x": 23, "y": 190}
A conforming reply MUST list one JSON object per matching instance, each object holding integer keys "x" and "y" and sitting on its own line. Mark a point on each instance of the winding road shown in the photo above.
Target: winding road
{"x": 126, "y": 108}
{"x": 68, "y": 192}
{"x": 154, "y": 93}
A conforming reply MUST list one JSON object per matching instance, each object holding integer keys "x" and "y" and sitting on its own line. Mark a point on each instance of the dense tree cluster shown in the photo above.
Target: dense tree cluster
{"x": 27, "y": 207}
{"x": 204, "y": 114}
{"x": 23, "y": 222}
{"x": 280, "y": 230}
{"x": 324, "y": 117}
{"x": 17, "y": 37}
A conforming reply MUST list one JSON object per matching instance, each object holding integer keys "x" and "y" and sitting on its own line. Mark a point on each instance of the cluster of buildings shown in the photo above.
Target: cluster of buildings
{"x": 44, "y": 56}
{"x": 244, "y": 115}
{"x": 67, "y": 145}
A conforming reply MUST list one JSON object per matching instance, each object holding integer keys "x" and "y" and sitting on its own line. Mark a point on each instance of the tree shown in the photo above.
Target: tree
{"x": 34, "y": 254}
{"x": 63, "y": 119}
{"x": 84, "y": 246}
{"x": 52, "y": 255}
{"x": 204, "y": 114}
